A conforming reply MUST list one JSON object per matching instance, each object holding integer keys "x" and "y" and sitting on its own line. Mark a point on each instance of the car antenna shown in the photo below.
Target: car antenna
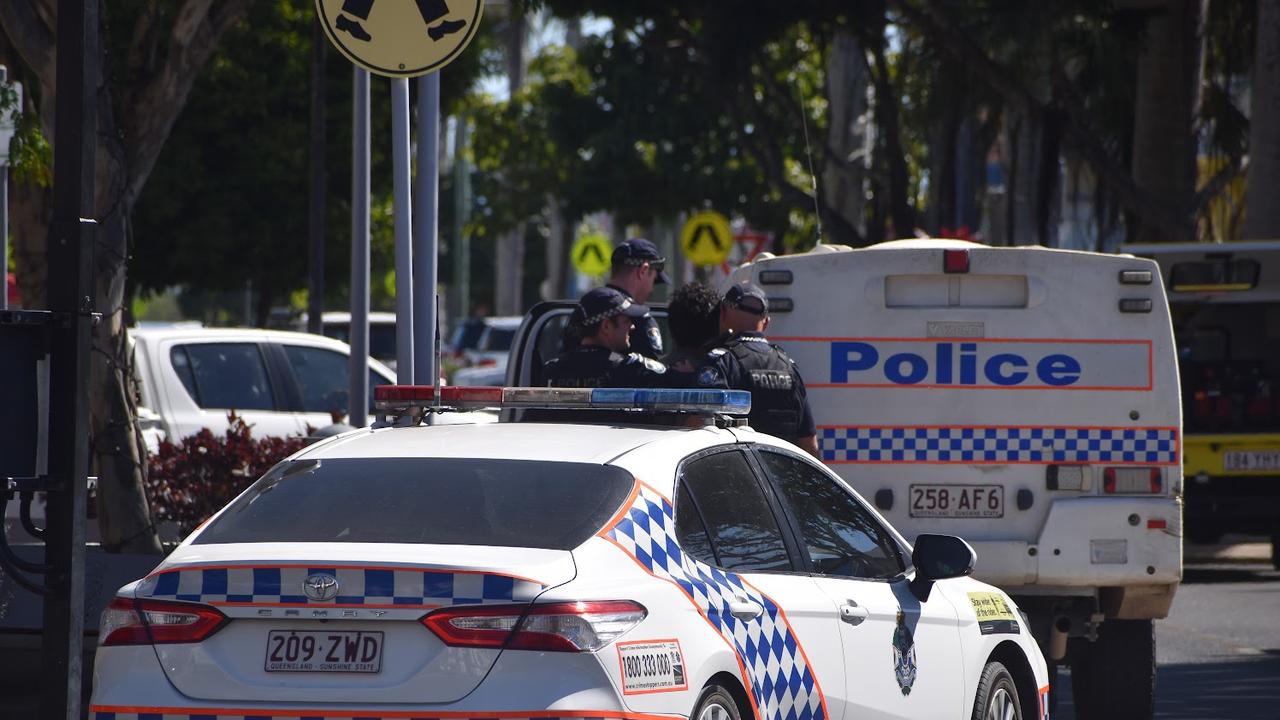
{"x": 435, "y": 349}
{"x": 808, "y": 150}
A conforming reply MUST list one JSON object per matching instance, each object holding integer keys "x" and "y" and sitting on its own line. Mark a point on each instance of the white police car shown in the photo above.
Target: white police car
{"x": 540, "y": 570}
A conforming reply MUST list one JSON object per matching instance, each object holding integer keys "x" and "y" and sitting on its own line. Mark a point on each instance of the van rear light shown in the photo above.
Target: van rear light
{"x": 1135, "y": 277}
{"x": 1135, "y": 305}
{"x": 774, "y": 277}
{"x": 1068, "y": 477}
{"x": 556, "y": 627}
{"x": 955, "y": 261}
{"x": 1132, "y": 481}
{"x": 147, "y": 622}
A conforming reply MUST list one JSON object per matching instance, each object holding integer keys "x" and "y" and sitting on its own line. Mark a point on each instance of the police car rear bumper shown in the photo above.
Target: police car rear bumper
{"x": 1090, "y": 543}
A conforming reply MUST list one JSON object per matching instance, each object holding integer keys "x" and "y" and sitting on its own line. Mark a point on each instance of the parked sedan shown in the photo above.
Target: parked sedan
{"x": 280, "y": 382}
{"x": 621, "y": 571}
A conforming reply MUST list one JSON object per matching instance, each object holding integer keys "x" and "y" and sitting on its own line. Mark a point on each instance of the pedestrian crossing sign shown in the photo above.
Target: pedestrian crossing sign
{"x": 592, "y": 254}
{"x": 706, "y": 239}
{"x": 398, "y": 38}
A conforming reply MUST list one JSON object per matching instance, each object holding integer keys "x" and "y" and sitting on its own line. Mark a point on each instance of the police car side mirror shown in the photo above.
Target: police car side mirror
{"x": 938, "y": 557}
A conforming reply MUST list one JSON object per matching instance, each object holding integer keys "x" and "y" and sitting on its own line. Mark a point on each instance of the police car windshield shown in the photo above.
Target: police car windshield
{"x": 449, "y": 501}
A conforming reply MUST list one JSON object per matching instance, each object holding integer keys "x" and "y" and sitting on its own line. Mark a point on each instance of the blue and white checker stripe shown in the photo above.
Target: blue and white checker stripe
{"x": 781, "y": 680}
{"x": 357, "y": 586}
{"x": 229, "y": 714}
{"x": 972, "y": 445}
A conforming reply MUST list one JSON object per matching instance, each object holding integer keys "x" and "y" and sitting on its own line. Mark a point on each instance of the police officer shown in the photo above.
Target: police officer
{"x": 636, "y": 267}
{"x": 745, "y": 360}
{"x": 602, "y": 358}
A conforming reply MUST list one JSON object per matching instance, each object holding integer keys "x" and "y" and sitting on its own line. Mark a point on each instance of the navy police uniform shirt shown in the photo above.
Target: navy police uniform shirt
{"x": 595, "y": 366}
{"x": 646, "y": 338}
{"x": 748, "y": 361}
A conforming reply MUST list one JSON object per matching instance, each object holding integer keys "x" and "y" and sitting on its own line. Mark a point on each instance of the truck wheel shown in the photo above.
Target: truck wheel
{"x": 997, "y": 697}
{"x": 1115, "y": 677}
{"x": 715, "y": 703}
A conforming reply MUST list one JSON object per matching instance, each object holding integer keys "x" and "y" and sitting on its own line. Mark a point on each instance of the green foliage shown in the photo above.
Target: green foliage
{"x": 30, "y": 154}
{"x": 228, "y": 199}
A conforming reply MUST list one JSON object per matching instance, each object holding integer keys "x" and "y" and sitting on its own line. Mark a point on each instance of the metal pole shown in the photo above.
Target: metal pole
{"x": 426, "y": 247}
{"x": 70, "y": 288}
{"x": 4, "y": 236}
{"x": 461, "y": 248}
{"x": 4, "y": 209}
{"x": 315, "y": 211}
{"x": 403, "y": 228}
{"x": 358, "y": 413}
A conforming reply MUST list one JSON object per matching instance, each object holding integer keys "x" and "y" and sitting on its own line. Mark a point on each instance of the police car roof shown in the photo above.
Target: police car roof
{"x": 562, "y": 442}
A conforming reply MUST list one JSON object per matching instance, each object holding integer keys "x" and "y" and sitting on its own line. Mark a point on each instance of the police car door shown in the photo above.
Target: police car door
{"x": 541, "y": 337}
{"x": 903, "y": 656}
{"x": 783, "y": 630}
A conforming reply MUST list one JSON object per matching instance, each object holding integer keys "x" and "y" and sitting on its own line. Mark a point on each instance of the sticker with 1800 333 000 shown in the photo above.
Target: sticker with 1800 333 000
{"x": 651, "y": 666}
{"x": 993, "y": 613}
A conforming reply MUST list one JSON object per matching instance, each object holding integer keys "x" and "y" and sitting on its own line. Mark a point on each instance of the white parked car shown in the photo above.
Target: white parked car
{"x": 537, "y": 570}
{"x": 280, "y": 382}
{"x": 382, "y": 332}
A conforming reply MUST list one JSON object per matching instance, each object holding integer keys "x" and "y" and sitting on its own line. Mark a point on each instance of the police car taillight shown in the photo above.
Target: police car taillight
{"x": 556, "y": 627}
{"x": 394, "y": 398}
{"x": 146, "y": 622}
{"x": 1132, "y": 481}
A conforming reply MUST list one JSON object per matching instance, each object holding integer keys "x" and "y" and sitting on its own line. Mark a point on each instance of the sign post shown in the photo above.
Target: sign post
{"x": 401, "y": 40}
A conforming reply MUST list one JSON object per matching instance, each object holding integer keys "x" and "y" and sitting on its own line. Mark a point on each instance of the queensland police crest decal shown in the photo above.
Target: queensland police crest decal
{"x": 904, "y": 655}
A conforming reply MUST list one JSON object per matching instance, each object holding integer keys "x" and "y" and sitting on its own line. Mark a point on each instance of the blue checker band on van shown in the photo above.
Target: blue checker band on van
{"x": 977, "y": 445}
{"x": 356, "y": 586}
{"x": 781, "y": 680}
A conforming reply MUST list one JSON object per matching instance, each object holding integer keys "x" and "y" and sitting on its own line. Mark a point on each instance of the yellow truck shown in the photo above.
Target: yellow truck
{"x": 1224, "y": 300}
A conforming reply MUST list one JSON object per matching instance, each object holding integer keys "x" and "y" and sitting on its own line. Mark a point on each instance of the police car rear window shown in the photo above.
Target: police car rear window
{"x": 510, "y": 503}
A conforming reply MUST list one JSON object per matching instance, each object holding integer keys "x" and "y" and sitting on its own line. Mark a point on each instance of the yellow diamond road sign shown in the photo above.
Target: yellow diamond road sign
{"x": 706, "y": 239}
{"x": 591, "y": 254}
{"x": 400, "y": 38}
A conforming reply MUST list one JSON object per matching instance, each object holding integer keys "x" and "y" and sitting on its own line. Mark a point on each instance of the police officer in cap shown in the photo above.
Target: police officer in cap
{"x": 745, "y": 360}
{"x": 636, "y": 267}
{"x": 603, "y": 358}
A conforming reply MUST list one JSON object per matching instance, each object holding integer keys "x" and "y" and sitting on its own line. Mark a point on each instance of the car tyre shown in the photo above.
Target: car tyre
{"x": 997, "y": 697}
{"x": 715, "y": 703}
{"x": 1115, "y": 676}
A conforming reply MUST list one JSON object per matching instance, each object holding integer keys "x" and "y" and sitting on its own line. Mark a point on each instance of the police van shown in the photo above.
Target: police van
{"x": 1023, "y": 398}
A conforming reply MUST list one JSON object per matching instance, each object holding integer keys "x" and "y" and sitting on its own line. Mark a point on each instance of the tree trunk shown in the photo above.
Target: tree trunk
{"x": 843, "y": 172}
{"x": 1262, "y": 211}
{"x": 116, "y": 446}
{"x": 1164, "y": 142}
{"x": 132, "y": 128}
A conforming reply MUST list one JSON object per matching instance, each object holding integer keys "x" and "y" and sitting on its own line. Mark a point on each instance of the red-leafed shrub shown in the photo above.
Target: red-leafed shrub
{"x": 192, "y": 479}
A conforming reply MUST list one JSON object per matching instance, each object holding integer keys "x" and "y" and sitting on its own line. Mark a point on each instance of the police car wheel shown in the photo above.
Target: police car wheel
{"x": 715, "y": 703}
{"x": 997, "y": 695}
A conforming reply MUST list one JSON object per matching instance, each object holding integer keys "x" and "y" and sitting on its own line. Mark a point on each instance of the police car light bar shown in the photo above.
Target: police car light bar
{"x": 401, "y": 398}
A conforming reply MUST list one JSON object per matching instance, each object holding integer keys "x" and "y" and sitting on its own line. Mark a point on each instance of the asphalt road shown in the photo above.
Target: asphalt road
{"x": 1218, "y": 652}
